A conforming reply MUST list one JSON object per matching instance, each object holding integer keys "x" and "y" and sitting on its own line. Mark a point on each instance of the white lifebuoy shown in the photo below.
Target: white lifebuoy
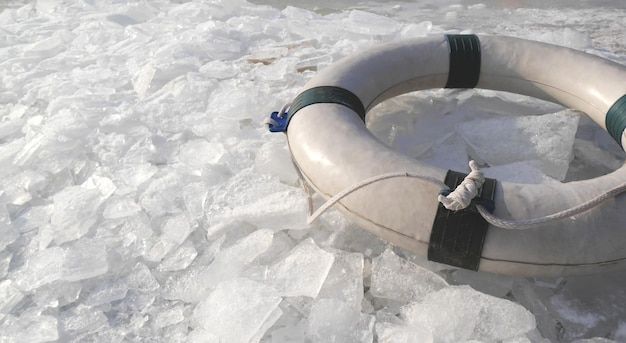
{"x": 334, "y": 150}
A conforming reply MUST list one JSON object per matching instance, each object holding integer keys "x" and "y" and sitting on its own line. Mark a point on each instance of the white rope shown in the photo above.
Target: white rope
{"x": 270, "y": 121}
{"x": 281, "y": 113}
{"x": 284, "y": 110}
{"x": 335, "y": 199}
{"x": 525, "y": 224}
{"x": 458, "y": 199}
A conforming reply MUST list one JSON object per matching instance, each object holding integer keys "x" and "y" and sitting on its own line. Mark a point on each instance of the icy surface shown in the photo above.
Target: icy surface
{"x": 141, "y": 198}
{"x": 78, "y": 262}
{"x": 302, "y": 272}
{"x": 459, "y": 313}
{"x": 547, "y": 139}
{"x": 398, "y": 279}
{"x": 388, "y": 333}
{"x": 10, "y": 296}
{"x": 236, "y": 310}
{"x": 332, "y": 320}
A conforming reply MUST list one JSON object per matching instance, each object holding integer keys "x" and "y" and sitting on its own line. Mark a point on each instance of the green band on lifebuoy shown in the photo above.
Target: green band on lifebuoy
{"x": 457, "y": 237}
{"x": 616, "y": 119}
{"x": 464, "y": 61}
{"x": 328, "y": 94}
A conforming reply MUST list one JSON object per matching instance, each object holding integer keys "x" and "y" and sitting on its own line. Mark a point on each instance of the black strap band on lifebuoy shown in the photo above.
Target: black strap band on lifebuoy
{"x": 457, "y": 237}
{"x": 616, "y": 119}
{"x": 464, "y": 61}
{"x": 328, "y": 94}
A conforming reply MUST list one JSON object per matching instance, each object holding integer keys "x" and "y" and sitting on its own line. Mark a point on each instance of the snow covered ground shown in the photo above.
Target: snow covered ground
{"x": 142, "y": 199}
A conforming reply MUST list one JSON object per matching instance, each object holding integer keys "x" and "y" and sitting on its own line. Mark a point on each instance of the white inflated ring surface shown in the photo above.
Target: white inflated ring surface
{"x": 334, "y": 150}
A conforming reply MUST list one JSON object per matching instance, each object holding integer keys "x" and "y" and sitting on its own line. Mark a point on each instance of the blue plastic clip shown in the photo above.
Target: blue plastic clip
{"x": 278, "y": 123}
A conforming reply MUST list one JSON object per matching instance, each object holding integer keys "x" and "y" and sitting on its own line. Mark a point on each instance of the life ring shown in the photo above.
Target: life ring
{"x": 333, "y": 149}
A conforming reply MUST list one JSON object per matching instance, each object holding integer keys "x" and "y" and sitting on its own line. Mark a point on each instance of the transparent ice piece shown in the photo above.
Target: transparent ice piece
{"x": 237, "y": 310}
{"x": 398, "y": 279}
{"x": 302, "y": 272}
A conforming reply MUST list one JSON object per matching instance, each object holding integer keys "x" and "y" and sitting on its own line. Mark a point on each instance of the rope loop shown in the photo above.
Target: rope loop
{"x": 284, "y": 110}
{"x": 280, "y": 115}
{"x": 462, "y": 196}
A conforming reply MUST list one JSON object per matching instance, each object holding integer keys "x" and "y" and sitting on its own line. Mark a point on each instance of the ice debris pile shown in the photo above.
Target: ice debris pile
{"x": 142, "y": 200}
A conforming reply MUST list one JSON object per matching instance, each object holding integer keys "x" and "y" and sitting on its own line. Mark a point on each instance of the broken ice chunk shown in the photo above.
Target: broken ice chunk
{"x": 281, "y": 246}
{"x": 450, "y": 319}
{"x": 140, "y": 278}
{"x": 106, "y": 293}
{"x": 548, "y": 138}
{"x": 448, "y": 152}
{"x": 5, "y": 261}
{"x": 200, "y": 335}
{"x": 290, "y": 333}
{"x": 30, "y": 327}
{"x": 81, "y": 320}
{"x": 177, "y": 228}
{"x": 568, "y": 37}
{"x": 237, "y": 310}
{"x": 574, "y": 314}
{"x": 9, "y": 296}
{"x": 79, "y": 261}
{"x": 160, "y": 197}
{"x": 75, "y": 211}
{"x": 267, "y": 55}
{"x": 104, "y": 185}
{"x": 219, "y": 70}
{"x": 84, "y": 260}
{"x": 269, "y": 322}
{"x": 9, "y": 127}
{"x": 231, "y": 261}
{"x": 459, "y": 313}
{"x": 139, "y": 301}
{"x": 345, "y": 279}
{"x": 273, "y": 158}
{"x": 8, "y": 233}
{"x": 416, "y": 29}
{"x": 302, "y": 272}
{"x": 32, "y": 146}
{"x": 398, "y": 279}
{"x": 594, "y": 340}
{"x": 33, "y": 217}
{"x": 313, "y": 62}
{"x": 370, "y": 23}
{"x": 195, "y": 195}
{"x": 120, "y": 207}
{"x": 56, "y": 294}
{"x": 280, "y": 210}
{"x": 121, "y": 19}
{"x": 169, "y": 316}
{"x": 595, "y": 156}
{"x": 132, "y": 176}
{"x": 332, "y": 320}
{"x": 142, "y": 79}
{"x": 160, "y": 249}
{"x": 259, "y": 199}
{"x": 528, "y": 172}
{"x": 492, "y": 284}
{"x": 392, "y": 333}
{"x": 180, "y": 258}
{"x": 534, "y": 299}
{"x": 197, "y": 153}
{"x": 187, "y": 285}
